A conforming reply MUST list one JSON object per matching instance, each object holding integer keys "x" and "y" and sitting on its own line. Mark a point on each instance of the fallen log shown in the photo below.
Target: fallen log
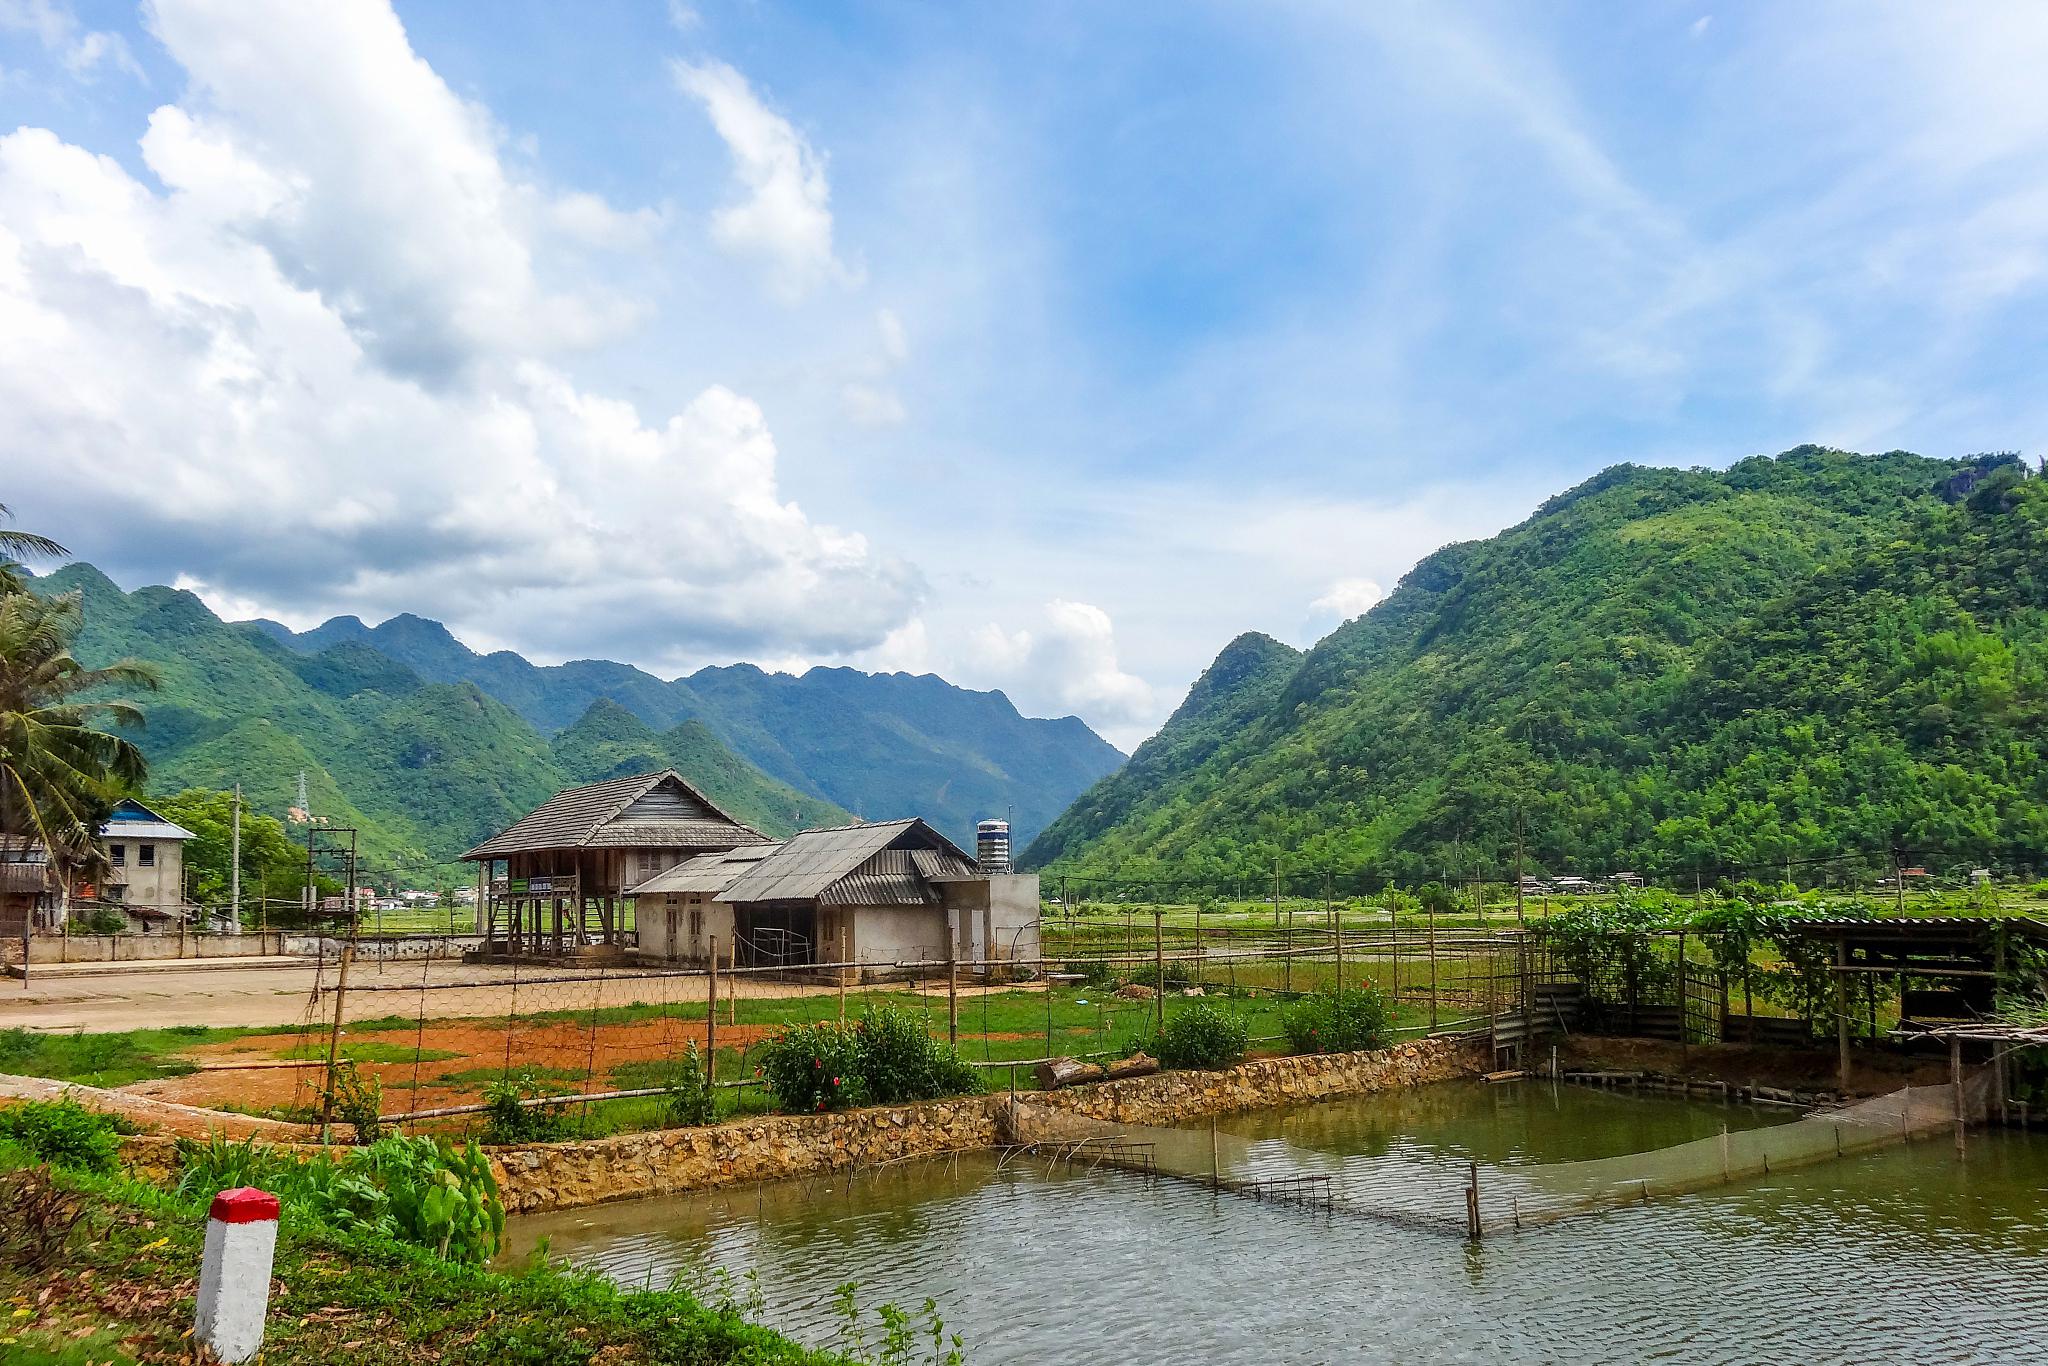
{"x": 1058, "y": 1072}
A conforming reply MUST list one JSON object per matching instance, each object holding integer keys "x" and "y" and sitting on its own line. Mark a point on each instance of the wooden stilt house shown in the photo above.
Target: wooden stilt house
{"x": 541, "y": 881}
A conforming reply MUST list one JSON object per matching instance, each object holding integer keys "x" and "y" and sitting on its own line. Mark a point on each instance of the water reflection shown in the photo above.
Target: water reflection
{"x": 1898, "y": 1254}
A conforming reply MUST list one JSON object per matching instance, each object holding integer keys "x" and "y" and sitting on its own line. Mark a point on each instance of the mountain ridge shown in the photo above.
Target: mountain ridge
{"x": 1572, "y": 676}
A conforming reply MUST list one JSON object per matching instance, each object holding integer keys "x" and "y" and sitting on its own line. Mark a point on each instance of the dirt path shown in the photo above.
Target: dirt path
{"x": 148, "y": 1113}
{"x": 284, "y": 996}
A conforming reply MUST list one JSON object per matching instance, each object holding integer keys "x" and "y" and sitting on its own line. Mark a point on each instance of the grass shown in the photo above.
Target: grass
{"x": 108, "y": 1059}
{"x": 129, "y": 1270}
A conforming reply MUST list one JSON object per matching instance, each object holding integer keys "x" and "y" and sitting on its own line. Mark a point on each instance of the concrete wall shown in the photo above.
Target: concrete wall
{"x": 664, "y": 927}
{"x": 161, "y": 885}
{"x": 895, "y": 934}
{"x": 995, "y": 917}
{"x": 124, "y": 948}
{"x": 551, "y": 1176}
{"x": 391, "y": 948}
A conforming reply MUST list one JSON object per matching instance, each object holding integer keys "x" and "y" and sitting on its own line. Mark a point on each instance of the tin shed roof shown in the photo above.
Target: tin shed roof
{"x": 811, "y": 861}
{"x": 708, "y": 873}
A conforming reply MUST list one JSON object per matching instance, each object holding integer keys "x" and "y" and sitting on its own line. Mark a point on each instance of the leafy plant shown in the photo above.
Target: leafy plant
{"x": 507, "y": 1120}
{"x": 63, "y": 1132}
{"x": 812, "y": 1067}
{"x": 36, "y": 1219}
{"x": 896, "y": 1060}
{"x": 354, "y": 1099}
{"x": 688, "y": 1099}
{"x": 1200, "y": 1035}
{"x": 419, "y": 1190}
{"x": 1347, "y": 1021}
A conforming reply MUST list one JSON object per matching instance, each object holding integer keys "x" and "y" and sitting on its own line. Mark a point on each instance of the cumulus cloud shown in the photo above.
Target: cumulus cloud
{"x": 82, "y": 51}
{"x": 1348, "y": 598}
{"x": 316, "y": 369}
{"x": 1069, "y": 657}
{"x": 783, "y": 215}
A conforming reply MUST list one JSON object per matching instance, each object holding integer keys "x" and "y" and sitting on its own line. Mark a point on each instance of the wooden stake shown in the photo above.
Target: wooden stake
{"x": 1159, "y": 964}
{"x": 1955, "y": 1076}
{"x": 1842, "y": 1009}
{"x": 348, "y": 954}
{"x": 952, "y": 984}
{"x": 711, "y": 1011}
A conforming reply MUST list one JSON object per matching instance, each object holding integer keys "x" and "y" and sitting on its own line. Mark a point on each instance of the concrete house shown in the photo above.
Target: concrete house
{"x": 581, "y": 849}
{"x": 147, "y": 854}
{"x": 874, "y": 895}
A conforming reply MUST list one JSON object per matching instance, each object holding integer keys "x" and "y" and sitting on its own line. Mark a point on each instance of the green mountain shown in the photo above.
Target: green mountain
{"x": 878, "y": 745}
{"x": 1798, "y": 658}
{"x": 610, "y": 741}
{"x": 401, "y": 734}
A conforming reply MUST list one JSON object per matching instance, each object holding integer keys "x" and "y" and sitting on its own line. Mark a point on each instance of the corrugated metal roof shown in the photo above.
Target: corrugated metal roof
{"x": 811, "y": 861}
{"x": 24, "y": 877}
{"x": 889, "y": 878}
{"x": 938, "y": 864}
{"x": 144, "y": 830}
{"x": 708, "y": 873}
{"x": 650, "y": 809}
{"x": 1915, "y": 924}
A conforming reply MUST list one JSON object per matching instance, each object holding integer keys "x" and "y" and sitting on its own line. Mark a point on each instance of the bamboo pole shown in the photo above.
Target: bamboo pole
{"x": 711, "y": 1013}
{"x": 1159, "y": 965}
{"x": 348, "y": 954}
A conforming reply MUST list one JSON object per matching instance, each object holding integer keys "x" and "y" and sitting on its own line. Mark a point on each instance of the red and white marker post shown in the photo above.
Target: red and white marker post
{"x": 234, "y": 1278}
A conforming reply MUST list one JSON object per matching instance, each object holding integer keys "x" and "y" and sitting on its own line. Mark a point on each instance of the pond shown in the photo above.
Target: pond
{"x": 1901, "y": 1253}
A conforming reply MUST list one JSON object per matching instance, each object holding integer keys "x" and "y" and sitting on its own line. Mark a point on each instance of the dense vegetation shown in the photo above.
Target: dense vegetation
{"x": 427, "y": 747}
{"x": 1668, "y": 670}
{"x": 884, "y": 1058}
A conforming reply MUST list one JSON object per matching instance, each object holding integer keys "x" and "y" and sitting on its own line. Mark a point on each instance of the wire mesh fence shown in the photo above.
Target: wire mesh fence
{"x": 600, "y": 1046}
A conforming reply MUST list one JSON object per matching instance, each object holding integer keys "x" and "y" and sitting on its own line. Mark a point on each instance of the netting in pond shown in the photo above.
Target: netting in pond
{"x": 1427, "y": 1189}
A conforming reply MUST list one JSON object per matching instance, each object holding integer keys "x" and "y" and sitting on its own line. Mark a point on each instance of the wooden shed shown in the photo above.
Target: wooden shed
{"x": 581, "y": 849}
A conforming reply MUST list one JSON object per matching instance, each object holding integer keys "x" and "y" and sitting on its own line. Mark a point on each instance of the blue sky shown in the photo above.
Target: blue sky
{"x": 1043, "y": 346}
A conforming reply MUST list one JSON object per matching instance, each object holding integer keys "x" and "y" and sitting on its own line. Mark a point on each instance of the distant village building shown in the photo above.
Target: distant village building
{"x": 871, "y": 896}
{"x": 579, "y": 852}
{"x": 144, "y": 884}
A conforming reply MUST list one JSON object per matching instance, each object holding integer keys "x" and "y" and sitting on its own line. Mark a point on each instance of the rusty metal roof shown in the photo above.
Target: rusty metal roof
{"x": 645, "y": 810}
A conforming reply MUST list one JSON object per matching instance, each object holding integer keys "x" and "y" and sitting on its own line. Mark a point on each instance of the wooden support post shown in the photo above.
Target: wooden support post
{"x": 1159, "y": 964}
{"x": 732, "y": 987}
{"x": 952, "y": 984}
{"x": 711, "y": 1004}
{"x": 1432, "y": 965}
{"x": 1955, "y": 1076}
{"x": 1842, "y": 1010}
{"x": 1472, "y": 1202}
{"x": 348, "y": 954}
{"x": 1684, "y": 1005}
{"x": 1215, "y": 1157}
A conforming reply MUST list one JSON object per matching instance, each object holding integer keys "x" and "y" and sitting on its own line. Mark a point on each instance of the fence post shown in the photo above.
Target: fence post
{"x": 1159, "y": 963}
{"x": 1432, "y": 965}
{"x": 348, "y": 954}
{"x": 1955, "y": 1074}
{"x": 711, "y": 1013}
{"x": 1472, "y": 1202}
{"x": 234, "y": 1274}
{"x": 952, "y": 984}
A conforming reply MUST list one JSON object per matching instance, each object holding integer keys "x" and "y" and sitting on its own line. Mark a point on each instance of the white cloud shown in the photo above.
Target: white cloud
{"x": 314, "y": 372}
{"x": 82, "y": 51}
{"x": 1348, "y": 598}
{"x": 783, "y": 215}
{"x": 869, "y": 406}
{"x": 1700, "y": 26}
{"x": 1070, "y": 656}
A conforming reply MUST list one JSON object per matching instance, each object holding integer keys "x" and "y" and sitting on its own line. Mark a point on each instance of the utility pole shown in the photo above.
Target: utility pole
{"x": 235, "y": 861}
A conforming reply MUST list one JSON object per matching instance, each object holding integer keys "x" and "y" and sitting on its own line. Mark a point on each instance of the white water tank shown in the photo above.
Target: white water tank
{"x": 992, "y": 846}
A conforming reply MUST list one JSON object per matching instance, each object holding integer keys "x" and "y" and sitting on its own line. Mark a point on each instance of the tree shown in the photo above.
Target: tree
{"x": 16, "y": 546}
{"x": 59, "y": 770}
{"x": 271, "y": 863}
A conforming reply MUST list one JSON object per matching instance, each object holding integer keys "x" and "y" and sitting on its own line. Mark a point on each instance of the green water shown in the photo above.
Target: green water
{"x": 1904, "y": 1254}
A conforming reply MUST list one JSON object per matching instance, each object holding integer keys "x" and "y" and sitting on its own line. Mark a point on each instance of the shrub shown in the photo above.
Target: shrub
{"x": 896, "y": 1060}
{"x": 1200, "y": 1035}
{"x": 63, "y": 1133}
{"x": 355, "y": 1100}
{"x": 1347, "y": 1021}
{"x": 420, "y": 1190}
{"x": 811, "y": 1067}
{"x": 688, "y": 1099}
{"x": 508, "y": 1121}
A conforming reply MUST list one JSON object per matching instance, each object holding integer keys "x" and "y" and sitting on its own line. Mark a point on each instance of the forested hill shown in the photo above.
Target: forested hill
{"x": 878, "y": 745}
{"x": 1661, "y": 669}
{"x": 395, "y": 739}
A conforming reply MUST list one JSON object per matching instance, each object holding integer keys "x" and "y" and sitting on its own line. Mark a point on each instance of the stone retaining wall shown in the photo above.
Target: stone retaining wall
{"x": 551, "y": 1176}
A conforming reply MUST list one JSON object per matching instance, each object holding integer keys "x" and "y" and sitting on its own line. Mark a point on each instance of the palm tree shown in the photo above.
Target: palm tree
{"x": 59, "y": 770}
{"x": 16, "y": 546}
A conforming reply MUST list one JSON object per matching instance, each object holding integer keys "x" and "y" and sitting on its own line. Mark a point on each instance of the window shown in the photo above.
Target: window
{"x": 120, "y": 853}
{"x": 696, "y": 924}
{"x": 146, "y": 855}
